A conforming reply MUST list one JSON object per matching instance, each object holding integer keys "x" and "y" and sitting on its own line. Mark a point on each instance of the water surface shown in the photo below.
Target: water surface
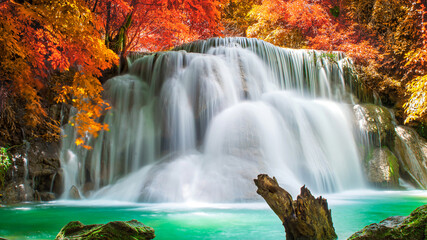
{"x": 351, "y": 211}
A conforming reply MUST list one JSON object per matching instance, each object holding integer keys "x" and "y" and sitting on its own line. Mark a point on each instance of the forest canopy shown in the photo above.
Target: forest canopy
{"x": 60, "y": 51}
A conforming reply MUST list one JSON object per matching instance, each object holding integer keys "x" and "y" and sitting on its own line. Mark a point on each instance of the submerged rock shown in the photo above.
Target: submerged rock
{"x": 382, "y": 168}
{"x": 129, "y": 230}
{"x": 411, "y": 150}
{"x": 306, "y": 218}
{"x": 413, "y": 227}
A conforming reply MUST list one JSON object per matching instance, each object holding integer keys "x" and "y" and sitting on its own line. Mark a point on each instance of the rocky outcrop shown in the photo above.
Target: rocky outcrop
{"x": 382, "y": 168}
{"x": 17, "y": 192}
{"x": 129, "y": 230}
{"x": 390, "y": 152}
{"x": 34, "y": 174}
{"x": 413, "y": 227}
{"x": 306, "y": 218}
{"x": 411, "y": 150}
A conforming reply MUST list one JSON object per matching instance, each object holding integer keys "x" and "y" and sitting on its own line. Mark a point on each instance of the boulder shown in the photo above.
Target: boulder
{"x": 413, "y": 227}
{"x": 411, "y": 149}
{"x": 382, "y": 168}
{"x": 306, "y": 218}
{"x": 376, "y": 123}
{"x": 75, "y": 193}
{"x": 44, "y": 196}
{"x": 129, "y": 230}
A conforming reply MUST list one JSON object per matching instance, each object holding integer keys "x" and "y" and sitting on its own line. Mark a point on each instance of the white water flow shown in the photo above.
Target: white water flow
{"x": 187, "y": 126}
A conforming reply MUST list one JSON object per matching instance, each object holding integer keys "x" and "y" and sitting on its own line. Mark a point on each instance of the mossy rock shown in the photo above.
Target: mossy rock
{"x": 394, "y": 167}
{"x": 129, "y": 230}
{"x": 413, "y": 227}
{"x": 382, "y": 168}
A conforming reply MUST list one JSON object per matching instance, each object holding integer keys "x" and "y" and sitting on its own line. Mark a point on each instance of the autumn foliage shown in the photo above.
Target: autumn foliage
{"x": 152, "y": 25}
{"x": 416, "y": 63}
{"x": 41, "y": 37}
{"x": 57, "y": 51}
{"x": 323, "y": 25}
{"x": 386, "y": 39}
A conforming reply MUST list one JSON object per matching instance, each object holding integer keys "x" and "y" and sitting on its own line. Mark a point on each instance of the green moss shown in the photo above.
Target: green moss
{"x": 130, "y": 230}
{"x": 394, "y": 167}
{"x": 414, "y": 227}
{"x": 69, "y": 229}
{"x": 369, "y": 157}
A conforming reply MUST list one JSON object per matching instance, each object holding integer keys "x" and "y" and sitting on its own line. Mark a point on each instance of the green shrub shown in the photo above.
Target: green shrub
{"x": 4, "y": 165}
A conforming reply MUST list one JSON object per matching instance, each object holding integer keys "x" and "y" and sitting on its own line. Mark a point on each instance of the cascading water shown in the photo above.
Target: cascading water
{"x": 200, "y": 124}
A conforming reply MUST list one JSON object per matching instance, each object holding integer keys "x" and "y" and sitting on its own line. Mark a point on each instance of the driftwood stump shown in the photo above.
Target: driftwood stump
{"x": 306, "y": 218}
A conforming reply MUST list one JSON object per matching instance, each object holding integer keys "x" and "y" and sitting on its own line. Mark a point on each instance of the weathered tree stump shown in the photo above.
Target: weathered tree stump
{"x": 306, "y": 218}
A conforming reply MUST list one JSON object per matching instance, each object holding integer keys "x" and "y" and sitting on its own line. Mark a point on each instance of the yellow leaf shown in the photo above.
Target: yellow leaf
{"x": 79, "y": 141}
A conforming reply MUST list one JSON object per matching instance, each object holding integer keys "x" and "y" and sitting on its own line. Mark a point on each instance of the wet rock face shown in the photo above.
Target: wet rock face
{"x": 390, "y": 151}
{"x": 376, "y": 123}
{"x": 129, "y": 230}
{"x": 382, "y": 168}
{"x": 411, "y": 150}
{"x": 413, "y": 227}
{"x": 17, "y": 192}
{"x": 34, "y": 174}
{"x": 306, "y": 218}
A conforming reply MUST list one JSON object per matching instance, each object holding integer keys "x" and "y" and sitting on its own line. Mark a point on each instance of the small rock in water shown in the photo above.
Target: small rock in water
{"x": 74, "y": 193}
{"x": 129, "y": 230}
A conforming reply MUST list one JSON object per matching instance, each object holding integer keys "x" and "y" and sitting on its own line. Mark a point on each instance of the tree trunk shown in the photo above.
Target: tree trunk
{"x": 107, "y": 25}
{"x": 306, "y": 218}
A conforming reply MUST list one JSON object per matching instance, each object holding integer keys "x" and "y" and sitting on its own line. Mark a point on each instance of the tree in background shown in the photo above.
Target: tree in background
{"x": 322, "y": 25}
{"x": 416, "y": 63}
{"x": 385, "y": 38}
{"x": 153, "y": 25}
{"x": 38, "y": 39}
{"x": 397, "y": 77}
{"x": 236, "y": 16}
{"x": 55, "y": 51}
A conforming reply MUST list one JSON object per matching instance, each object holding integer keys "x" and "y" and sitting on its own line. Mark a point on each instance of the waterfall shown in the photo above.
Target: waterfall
{"x": 198, "y": 123}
